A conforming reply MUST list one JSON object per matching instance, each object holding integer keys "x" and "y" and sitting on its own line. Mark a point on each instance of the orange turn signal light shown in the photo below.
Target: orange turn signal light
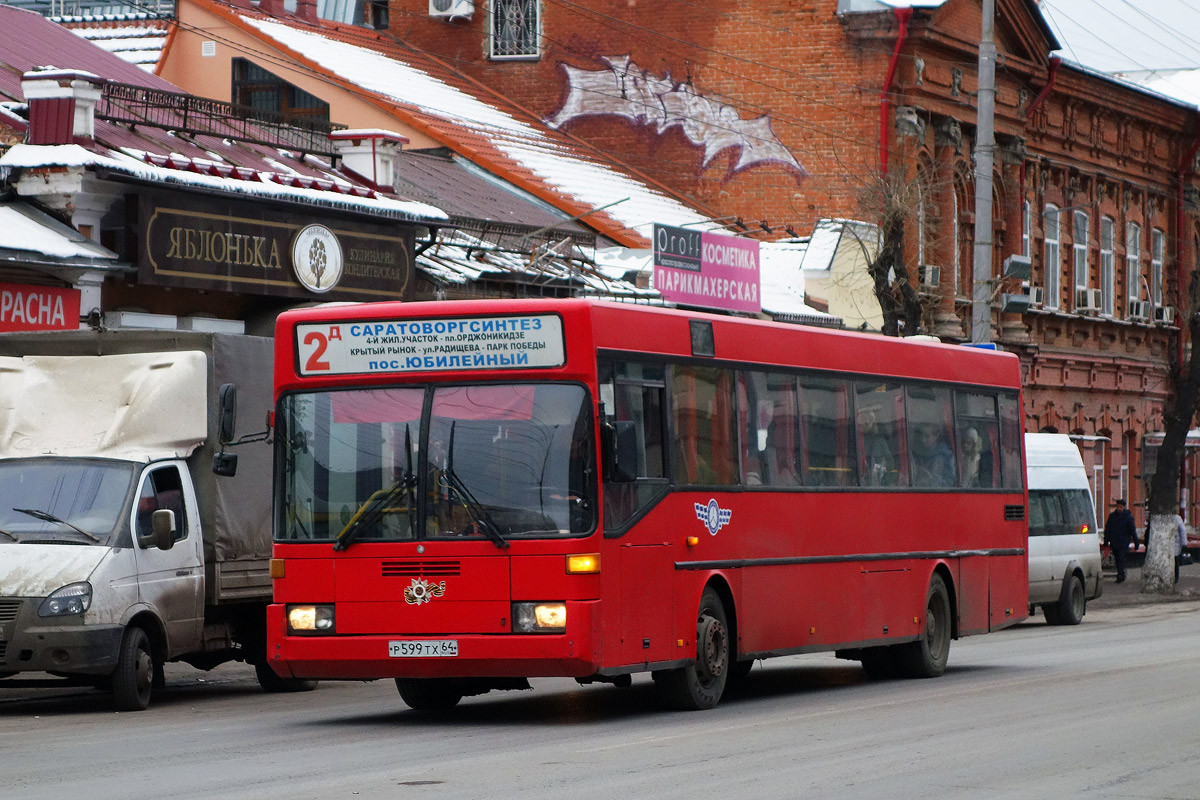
{"x": 583, "y": 563}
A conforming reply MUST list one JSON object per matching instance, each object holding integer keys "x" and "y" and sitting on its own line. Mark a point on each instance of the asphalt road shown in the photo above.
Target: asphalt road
{"x": 1108, "y": 709}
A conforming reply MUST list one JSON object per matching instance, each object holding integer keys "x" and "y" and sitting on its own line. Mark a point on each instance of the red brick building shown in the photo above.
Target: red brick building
{"x": 779, "y": 112}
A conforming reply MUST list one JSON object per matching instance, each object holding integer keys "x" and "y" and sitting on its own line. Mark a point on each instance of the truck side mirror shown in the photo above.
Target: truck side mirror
{"x": 620, "y": 450}
{"x": 162, "y": 525}
{"x": 226, "y": 412}
{"x": 225, "y": 464}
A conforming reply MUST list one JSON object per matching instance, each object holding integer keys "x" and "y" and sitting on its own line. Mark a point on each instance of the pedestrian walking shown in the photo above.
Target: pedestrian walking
{"x": 1119, "y": 531}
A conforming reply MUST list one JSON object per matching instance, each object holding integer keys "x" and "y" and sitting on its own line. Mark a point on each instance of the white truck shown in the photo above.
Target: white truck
{"x": 129, "y": 535}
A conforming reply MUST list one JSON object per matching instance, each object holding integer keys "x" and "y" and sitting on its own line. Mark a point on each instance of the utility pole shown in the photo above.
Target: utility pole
{"x": 985, "y": 149}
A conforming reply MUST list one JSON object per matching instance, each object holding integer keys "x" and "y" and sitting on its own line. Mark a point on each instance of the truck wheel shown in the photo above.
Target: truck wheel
{"x": 429, "y": 694}
{"x": 272, "y": 683}
{"x": 133, "y": 678}
{"x": 699, "y": 686}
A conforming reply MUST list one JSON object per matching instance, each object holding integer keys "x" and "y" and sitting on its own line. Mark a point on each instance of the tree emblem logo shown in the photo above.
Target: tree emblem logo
{"x": 317, "y": 258}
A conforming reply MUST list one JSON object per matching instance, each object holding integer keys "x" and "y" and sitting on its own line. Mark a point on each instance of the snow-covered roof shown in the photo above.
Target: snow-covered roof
{"x": 138, "y": 40}
{"x": 781, "y": 282}
{"x": 483, "y": 129}
{"x": 257, "y": 185}
{"x": 1149, "y": 43}
{"x": 27, "y": 230}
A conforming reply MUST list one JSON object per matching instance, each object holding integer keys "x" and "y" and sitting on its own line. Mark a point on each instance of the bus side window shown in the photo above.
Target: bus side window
{"x": 702, "y": 400}
{"x": 978, "y": 439}
{"x": 827, "y": 450}
{"x": 1012, "y": 471}
{"x": 766, "y": 425}
{"x": 632, "y": 408}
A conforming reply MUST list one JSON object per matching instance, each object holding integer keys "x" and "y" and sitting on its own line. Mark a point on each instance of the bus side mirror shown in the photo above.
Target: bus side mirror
{"x": 619, "y": 439}
{"x": 226, "y": 412}
{"x": 225, "y": 464}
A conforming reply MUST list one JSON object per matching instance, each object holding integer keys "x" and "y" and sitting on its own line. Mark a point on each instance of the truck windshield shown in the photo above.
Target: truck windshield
{"x": 63, "y": 500}
{"x": 495, "y": 462}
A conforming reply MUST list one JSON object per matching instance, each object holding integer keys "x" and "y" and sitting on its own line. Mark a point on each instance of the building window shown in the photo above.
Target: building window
{"x": 957, "y": 243}
{"x": 254, "y": 87}
{"x": 1026, "y": 228}
{"x": 1133, "y": 261}
{"x": 1079, "y": 249}
{"x": 1053, "y": 265}
{"x": 1108, "y": 271}
{"x": 1158, "y": 244}
{"x": 515, "y": 29}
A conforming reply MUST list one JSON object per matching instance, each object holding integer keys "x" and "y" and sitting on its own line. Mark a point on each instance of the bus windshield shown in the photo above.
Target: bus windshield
{"x": 493, "y": 461}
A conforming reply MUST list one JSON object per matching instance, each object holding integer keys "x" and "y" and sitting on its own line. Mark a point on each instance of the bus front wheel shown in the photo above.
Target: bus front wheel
{"x": 926, "y": 657}
{"x": 429, "y": 694}
{"x": 699, "y": 686}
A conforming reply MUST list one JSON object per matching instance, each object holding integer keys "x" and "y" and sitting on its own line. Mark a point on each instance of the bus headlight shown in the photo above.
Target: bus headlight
{"x": 310, "y": 619}
{"x": 539, "y": 617}
{"x": 74, "y": 598}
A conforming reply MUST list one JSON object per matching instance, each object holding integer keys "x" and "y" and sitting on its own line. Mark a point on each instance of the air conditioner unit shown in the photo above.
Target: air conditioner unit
{"x": 929, "y": 275}
{"x": 1139, "y": 310}
{"x": 1087, "y": 301}
{"x": 1037, "y": 296}
{"x": 1165, "y": 315}
{"x": 451, "y": 8}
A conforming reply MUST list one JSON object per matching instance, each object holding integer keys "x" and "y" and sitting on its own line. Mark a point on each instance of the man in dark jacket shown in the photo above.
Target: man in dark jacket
{"x": 1119, "y": 531}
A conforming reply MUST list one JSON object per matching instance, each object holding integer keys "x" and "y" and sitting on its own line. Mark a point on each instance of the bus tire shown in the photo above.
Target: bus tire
{"x": 429, "y": 694}
{"x": 133, "y": 677}
{"x": 1070, "y": 608}
{"x": 926, "y": 657}
{"x": 271, "y": 683}
{"x": 699, "y": 686}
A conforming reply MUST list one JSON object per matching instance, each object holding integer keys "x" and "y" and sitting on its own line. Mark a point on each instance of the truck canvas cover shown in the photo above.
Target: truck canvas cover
{"x": 134, "y": 406}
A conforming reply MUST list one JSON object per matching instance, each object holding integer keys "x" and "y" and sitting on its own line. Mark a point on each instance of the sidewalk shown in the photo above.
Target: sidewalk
{"x": 1130, "y": 593}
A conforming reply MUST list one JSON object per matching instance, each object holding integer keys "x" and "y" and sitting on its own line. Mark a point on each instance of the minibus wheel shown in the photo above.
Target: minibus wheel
{"x": 1070, "y": 608}
{"x": 133, "y": 678}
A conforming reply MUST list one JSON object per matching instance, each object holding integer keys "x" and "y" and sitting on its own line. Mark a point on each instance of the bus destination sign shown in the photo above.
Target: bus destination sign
{"x": 437, "y": 345}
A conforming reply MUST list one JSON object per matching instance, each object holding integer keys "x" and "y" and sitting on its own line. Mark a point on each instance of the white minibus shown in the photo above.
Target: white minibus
{"x": 1064, "y": 543}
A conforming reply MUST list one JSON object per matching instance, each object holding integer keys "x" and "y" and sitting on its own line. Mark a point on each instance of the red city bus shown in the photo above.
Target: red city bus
{"x": 473, "y": 493}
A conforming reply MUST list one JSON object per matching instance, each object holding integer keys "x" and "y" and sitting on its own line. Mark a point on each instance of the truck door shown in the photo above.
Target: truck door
{"x": 171, "y": 581}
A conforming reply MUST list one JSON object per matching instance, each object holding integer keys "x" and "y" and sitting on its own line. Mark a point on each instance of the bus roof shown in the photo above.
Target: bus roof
{"x": 667, "y": 332}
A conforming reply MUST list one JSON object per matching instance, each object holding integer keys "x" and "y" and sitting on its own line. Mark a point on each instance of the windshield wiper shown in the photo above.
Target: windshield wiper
{"x": 12, "y": 536}
{"x": 479, "y": 515}
{"x": 46, "y": 516}
{"x": 375, "y": 509}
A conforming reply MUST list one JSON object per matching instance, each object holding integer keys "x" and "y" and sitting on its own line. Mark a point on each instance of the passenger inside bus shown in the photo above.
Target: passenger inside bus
{"x": 933, "y": 460}
{"x": 879, "y": 463}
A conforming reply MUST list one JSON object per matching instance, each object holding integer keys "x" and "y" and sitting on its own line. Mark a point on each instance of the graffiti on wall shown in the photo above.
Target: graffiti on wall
{"x": 625, "y": 90}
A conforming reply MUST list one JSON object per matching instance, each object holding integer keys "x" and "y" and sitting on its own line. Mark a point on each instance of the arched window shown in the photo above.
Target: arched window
{"x": 1108, "y": 270}
{"x": 1052, "y": 265}
{"x": 1158, "y": 246}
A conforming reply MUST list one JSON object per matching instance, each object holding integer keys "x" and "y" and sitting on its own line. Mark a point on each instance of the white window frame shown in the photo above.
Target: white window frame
{"x": 502, "y": 13}
{"x": 1026, "y": 229}
{"x": 1108, "y": 264}
{"x": 1053, "y": 258}
{"x": 1080, "y": 230}
{"x": 1133, "y": 261}
{"x": 957, "y": 243}
{"x": 1158, "y": 246}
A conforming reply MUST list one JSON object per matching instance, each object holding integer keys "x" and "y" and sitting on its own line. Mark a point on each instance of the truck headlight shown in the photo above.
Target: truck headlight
{"x": 74, "y": 598}
{"x": 310, "y": 619}
{"x": 539, "y": 617}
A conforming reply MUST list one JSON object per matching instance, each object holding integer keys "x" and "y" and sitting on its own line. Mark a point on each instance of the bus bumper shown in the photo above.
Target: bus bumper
{"x": 573, "y": 653}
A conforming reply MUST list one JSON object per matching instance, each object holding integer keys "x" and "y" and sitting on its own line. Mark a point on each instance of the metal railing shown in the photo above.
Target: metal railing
{"x": 185, "y": 113}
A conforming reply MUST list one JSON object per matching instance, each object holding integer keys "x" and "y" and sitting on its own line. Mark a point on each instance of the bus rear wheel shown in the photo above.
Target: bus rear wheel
{"x": 429, "y": 694}
{"x": 926, "y": 657}
{"x": 699, "y": 686}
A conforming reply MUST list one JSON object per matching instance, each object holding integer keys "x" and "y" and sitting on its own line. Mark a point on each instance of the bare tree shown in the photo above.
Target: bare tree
{"x": 896, "y": 202}
{"x": 1158, "y": 571}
